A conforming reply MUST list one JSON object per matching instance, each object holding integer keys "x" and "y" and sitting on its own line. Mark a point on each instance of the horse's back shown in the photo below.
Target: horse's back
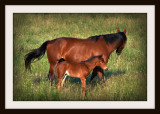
{"x": 63, "y": 41}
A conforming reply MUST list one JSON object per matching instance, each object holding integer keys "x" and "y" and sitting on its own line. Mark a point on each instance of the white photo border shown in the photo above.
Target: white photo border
{"x": 10, "y": 9}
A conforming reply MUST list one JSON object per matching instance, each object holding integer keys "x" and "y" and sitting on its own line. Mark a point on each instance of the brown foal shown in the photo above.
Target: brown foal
{"x": 79, "y": 70}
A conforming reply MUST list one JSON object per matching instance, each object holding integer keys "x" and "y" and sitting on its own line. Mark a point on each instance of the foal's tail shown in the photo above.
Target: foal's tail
{"x": 35, "y": 54}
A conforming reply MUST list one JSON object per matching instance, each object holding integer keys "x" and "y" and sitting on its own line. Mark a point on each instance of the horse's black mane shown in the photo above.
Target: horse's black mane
{"x": 110, "y": 38}
{"x": 91, "y": 58}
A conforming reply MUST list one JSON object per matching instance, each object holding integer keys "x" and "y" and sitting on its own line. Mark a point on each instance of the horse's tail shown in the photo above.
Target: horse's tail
{"x": 35, "y": 54}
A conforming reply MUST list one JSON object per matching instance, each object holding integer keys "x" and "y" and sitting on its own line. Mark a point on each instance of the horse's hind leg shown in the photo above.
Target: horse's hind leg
{"x": 51, "y": 73}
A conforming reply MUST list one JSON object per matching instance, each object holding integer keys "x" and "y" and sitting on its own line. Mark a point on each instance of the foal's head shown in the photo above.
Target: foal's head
{"x": 99, "y": 61}
{"x": 122, "y": 42}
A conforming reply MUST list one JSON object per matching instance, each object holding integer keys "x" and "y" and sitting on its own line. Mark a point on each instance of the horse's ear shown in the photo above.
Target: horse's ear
{"x": 118, "y": 30}
{"x": 124, "y": 31}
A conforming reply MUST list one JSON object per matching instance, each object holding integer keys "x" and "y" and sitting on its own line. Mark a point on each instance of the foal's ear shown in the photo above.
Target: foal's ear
{"x": 124, "y": 31}
{"x": 118, "y": 30}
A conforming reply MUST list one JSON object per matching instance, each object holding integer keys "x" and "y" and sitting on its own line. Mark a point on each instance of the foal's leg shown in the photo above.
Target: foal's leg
{"x": 59, "y": 83}
{"x": 63, "y": 80}
{"x": 83, "y": 87}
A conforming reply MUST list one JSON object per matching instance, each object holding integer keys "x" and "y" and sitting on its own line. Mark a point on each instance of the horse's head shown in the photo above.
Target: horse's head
{"x": 123, "y": 42}
{"x": 119, "y": 49}
{"x": 101, "y": 63}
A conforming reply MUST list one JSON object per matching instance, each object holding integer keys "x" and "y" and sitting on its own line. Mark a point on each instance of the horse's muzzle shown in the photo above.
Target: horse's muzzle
{"x": 118, "y": 53}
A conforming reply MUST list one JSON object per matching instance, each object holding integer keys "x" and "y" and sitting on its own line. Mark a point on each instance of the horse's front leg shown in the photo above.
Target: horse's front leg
{"x": 94, "y": 74}
{"x": 100, "y": 72}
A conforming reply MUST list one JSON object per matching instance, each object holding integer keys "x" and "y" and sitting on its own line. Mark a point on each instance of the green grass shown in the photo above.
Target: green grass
{"x": 126, "y": 79}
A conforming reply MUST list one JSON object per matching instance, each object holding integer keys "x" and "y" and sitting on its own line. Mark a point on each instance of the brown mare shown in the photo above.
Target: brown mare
{"x": 77, "y": 50}
{"x": 79, "y": 70}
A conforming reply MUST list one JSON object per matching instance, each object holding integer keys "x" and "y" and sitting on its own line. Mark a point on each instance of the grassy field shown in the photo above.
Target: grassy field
{"x": 126, "y": 79}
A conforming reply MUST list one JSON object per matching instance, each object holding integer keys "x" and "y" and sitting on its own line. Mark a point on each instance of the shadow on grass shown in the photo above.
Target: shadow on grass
{"x": 69, "y": 79}
{"x": 107, "y": 75}
{"x": 110, "y": 73}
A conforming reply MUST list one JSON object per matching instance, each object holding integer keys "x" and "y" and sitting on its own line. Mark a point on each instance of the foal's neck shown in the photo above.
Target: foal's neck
{"x": 91, "y": 65}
